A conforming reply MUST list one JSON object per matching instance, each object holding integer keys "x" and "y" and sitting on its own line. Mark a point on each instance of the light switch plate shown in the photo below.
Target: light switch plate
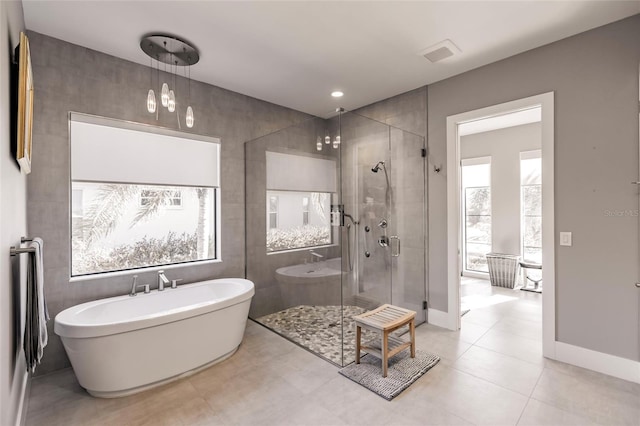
{"x": 565, "y": 239}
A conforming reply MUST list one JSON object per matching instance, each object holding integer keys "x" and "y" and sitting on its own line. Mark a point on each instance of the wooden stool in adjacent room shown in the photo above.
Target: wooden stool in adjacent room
{"x": 386, "y": 319}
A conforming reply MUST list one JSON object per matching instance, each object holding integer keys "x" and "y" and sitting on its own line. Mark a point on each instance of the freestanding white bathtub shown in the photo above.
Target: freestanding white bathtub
{"x": 123, "y": 345}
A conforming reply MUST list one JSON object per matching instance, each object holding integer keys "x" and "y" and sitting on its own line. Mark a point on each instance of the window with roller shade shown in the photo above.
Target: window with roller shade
{"x": 141, "y": 196}
{"x": 299, "y": 189}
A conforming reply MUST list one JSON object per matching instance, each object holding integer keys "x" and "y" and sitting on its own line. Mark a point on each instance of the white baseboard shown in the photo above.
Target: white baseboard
{"x": 439, "y": 318}
{"x": 23, "y": 403}
{"x": 611, "y": 365}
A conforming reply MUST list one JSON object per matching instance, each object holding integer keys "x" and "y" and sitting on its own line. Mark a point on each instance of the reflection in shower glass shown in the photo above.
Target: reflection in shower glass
{"x": 294, "y": 223}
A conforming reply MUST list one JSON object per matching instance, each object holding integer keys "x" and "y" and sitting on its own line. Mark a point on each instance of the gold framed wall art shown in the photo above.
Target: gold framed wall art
{"x": 25, "y": 106}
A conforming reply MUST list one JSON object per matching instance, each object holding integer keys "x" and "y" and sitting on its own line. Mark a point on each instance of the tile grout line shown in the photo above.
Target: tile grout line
{"x": 510, "y": 356}
{"x": 490, "y": 382}
{"x": 531, "y": 395}
{"x": 505, "y": 332}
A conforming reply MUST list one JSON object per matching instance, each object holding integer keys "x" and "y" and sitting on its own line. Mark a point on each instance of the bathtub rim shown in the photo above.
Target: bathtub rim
{"x": 67, "y": 326}
{"x": 283, "y": 271}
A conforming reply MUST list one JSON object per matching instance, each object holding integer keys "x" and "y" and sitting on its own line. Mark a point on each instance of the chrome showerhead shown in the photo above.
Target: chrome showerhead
{"x": 375, "y": 168}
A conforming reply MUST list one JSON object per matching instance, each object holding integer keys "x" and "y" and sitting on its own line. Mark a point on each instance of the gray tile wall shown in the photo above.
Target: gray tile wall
{"x": 72, "y": 78}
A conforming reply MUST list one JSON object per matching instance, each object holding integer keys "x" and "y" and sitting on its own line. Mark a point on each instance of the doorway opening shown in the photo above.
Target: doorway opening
{"x": 500, "y": 213}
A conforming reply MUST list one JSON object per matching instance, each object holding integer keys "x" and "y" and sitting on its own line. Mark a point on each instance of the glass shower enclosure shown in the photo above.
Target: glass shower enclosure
{"x": 335, "y": 226}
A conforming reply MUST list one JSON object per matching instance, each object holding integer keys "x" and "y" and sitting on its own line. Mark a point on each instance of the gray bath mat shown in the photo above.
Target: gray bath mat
{"x": 402, "y": 372}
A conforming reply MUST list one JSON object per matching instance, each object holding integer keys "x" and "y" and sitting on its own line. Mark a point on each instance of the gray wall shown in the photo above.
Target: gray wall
{"x": 406, "y": 111}
{"x": 504, "y": 147}
{"x": 595, "y": 79}
{"x": 72, "y": 78}
{"x": 13, "y": 225}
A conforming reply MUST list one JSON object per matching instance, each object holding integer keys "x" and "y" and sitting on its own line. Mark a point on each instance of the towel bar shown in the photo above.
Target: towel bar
{"x": 19, "y": 250}
{"x": 14, "y": 251}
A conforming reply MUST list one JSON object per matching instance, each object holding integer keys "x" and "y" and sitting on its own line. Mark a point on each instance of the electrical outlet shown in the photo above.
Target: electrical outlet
{"x": 565, "y": 239}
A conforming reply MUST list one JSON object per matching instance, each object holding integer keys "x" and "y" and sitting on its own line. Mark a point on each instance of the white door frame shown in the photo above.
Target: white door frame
{"x": 546, "y": 102}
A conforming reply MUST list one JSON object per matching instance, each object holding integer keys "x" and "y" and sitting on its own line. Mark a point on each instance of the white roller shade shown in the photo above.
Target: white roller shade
{"x": 130, "y": 153}
{"x": 290, "y": 172}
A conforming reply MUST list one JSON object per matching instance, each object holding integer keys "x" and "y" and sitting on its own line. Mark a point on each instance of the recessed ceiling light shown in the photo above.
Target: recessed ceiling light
{"x": 337, "y": 94}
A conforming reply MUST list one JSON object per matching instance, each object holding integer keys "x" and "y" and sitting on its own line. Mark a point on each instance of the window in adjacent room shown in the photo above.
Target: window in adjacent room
{"x": 476, "y": 209}
{"x": 140, "y": 197}
{"x": 531, "y": 205}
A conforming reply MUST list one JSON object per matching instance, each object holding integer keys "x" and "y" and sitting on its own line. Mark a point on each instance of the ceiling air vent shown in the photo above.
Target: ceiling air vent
{"x": 440, "y": 51}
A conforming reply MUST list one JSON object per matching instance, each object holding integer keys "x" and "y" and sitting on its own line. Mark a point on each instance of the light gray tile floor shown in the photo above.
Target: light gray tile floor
{"x": 490, "y": 373}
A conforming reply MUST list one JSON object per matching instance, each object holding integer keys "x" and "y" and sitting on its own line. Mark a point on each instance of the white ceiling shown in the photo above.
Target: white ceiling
{"x": 296, "y": 53}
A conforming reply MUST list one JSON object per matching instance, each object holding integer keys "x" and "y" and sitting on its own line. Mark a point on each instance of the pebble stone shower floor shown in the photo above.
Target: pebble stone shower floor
{"x": 319, "y": 329}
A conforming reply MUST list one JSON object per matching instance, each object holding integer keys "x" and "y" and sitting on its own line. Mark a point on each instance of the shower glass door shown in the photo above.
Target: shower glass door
{"x": 407, "y": 226}
{"x": 313, "y": 272}
{"x": 383, "y": 249}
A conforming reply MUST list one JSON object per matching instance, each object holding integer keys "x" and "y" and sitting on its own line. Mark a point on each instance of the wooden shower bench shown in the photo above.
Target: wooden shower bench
{"x": 386, "y": 319}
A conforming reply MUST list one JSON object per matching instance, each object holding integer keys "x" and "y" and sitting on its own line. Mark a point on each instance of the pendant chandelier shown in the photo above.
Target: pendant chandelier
{"x": 174, "y": 52}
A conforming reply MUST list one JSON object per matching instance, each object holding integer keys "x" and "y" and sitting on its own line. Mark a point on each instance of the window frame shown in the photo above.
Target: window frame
{"x": 215, "y": 200}
{"x": 289, "y": 249}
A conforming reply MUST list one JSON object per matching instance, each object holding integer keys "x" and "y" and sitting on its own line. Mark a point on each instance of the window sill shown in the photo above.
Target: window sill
{"x": 140, "y": 270}
{"x": 475, "y": 274}
{"x": 301, "y": 249}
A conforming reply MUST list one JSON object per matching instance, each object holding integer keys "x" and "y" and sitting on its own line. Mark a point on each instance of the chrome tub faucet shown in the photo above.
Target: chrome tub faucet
{"x": 134, "y": 287}
{"x": 315, "y": 257}
{"x": 162, "y": 280}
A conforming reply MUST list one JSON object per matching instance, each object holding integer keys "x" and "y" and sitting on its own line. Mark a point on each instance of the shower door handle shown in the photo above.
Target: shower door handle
{"x": 394, "y": 242}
